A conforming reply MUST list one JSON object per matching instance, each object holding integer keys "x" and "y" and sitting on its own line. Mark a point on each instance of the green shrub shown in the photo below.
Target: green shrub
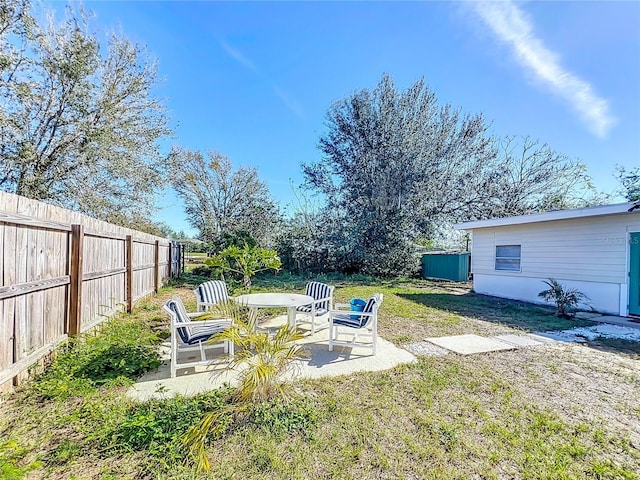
{"x": 156, "y": 426}
{"x": 204, "y": 271}
{"x": 246, "y": 261}
{"x": 117, "y": 352}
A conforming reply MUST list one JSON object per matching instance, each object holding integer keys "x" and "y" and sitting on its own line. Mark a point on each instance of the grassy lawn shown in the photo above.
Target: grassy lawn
{"x": 194, "y": 259}
{"x": 554, "y": 412}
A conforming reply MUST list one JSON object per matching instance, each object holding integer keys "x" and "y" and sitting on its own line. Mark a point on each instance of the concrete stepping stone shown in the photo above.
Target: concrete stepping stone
{"x": 519, "y": 340}
{"x": 470, "y": 344}
{"x": 539, "y": 338}
{"x": 425, "y": 348}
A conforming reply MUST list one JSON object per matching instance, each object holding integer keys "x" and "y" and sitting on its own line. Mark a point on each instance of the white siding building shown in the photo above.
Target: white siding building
{"x": 596, "y": 250}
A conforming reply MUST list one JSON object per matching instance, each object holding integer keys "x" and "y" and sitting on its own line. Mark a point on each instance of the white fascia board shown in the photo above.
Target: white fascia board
{"x": 616, "y": 209}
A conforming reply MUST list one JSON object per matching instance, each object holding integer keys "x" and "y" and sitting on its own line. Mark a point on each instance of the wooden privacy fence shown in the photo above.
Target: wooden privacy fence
{"x": 63, "y": 273}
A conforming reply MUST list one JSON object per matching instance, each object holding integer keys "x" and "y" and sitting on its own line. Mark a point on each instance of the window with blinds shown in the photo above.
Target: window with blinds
{"x": 508, "y": 258}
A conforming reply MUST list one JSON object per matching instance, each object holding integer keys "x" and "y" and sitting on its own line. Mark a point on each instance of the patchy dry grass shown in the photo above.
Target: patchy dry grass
{"x": 413, "y": 311}
{"x": 552, "y": 412}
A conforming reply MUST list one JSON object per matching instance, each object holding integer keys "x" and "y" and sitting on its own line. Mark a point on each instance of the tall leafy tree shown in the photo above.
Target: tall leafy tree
{"x": 397, "y": 165}
{"x": 78, "y": 123}
{"x": 386, "y": 156}
{"x": 220, "y": 199}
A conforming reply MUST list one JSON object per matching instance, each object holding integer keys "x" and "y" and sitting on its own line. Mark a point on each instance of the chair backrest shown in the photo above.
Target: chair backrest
{"x": 319, "y": 290}
{"x": 371, "y": 307}
{"x": 213, "y": 291}
{"x": 179, "y": 315}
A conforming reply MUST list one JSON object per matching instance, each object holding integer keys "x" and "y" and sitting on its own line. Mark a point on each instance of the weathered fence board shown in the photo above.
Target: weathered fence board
{"x": 63, "y": 273}
{"x": 6, "y": 357}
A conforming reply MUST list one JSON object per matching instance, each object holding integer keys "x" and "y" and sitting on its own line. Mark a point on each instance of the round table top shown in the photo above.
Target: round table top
{"x": 279, "y": 299}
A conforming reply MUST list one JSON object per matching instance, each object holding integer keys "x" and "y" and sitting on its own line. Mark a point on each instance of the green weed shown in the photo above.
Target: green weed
{"x": 11, "y": 465}
{"x": 119, "y": 351}
{"x": 156, "y": 426}
{"x": 279, "y": 417}
{"x": 442, "y": 417}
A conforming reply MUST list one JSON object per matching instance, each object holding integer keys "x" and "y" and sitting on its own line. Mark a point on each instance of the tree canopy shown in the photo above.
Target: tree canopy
{"x": 397, "y": 165}
{"x": 630, "y": 183}
{"x": 79, "y": 126}
{"x": 220, "y": 199}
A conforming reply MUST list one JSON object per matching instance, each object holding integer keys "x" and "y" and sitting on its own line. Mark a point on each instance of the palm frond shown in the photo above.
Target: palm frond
{"x": 260, "y": 359}
{"x": 564, "y": 298}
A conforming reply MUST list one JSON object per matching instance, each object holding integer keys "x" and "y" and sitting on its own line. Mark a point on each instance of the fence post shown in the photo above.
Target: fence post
{"x": 156, "y": 267}
{"x": 129, "y": 275}
{"x": 75, "y": 287}
{"x": 180, "y": 260}
{"x": 170, "y": 272}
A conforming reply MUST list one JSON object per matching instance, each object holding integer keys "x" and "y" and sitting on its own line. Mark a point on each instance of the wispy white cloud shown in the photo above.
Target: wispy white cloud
{"x": 288, "y": 102}
{"x": 239, "y": 57}
{"x": 512, "y": 26}
{"x": 243, "y": 60}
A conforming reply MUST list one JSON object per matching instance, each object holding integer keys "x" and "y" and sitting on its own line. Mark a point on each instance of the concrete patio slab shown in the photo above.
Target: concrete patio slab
{"x": 320, "y": 363}
{"x": 470, "y": 344}
{"x": 519, "y": 340}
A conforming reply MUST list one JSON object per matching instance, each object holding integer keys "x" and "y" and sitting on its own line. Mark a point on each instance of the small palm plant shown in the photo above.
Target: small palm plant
{"x": 564, "y": 298}
{"x": 261, "y": 361}
{"x": 246, "y": 261}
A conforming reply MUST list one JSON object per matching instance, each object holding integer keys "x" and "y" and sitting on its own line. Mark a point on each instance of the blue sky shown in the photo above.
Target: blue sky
{"x": 254, "y": 80}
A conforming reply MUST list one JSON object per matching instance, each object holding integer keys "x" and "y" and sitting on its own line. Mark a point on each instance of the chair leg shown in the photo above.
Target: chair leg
{"x": 174, "y": 353}
{"x": 330, "y": 335}
{"x": 374, "y": 336}
{"x": 202, "y": 356}
{"x": 313, "y": 319}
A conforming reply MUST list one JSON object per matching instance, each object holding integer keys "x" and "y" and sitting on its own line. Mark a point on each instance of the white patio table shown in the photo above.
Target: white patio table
{"x": 290, "y": 301}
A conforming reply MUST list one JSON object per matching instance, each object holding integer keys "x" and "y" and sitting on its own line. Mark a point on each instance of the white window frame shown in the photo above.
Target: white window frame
{"x": 502, "y": 257}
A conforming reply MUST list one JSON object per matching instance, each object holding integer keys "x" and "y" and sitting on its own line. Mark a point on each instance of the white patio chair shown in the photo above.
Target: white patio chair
{"x": 359, "y": 324}
{"x": 211, "y": 293}
{"x": 192, "y": 334}
{"x": 322, "y": 302}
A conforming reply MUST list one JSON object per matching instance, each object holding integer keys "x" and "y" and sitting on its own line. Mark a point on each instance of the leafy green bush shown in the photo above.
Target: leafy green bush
{"x": 227, "y": 239}
{"x": 117, "y": 352}
{"x": 245, "y": 261}
{"x": 156, "y": 426}
{"x": 204, "y": 271}
{"x": 123, "y": 360}
{"x": 331, "y": 243}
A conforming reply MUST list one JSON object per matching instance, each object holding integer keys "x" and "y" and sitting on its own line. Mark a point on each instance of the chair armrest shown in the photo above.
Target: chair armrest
{"x": 339, "y": 305}
{"x": 322, "y": 300}
{"x": 204, "y": 323}
{"x": 351, "y": 312}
